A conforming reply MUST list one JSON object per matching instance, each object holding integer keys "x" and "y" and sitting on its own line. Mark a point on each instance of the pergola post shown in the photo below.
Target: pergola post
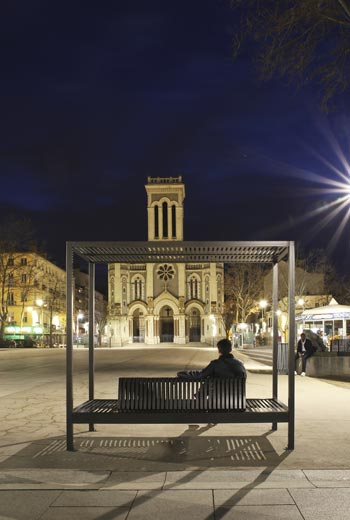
{"x": 69, "y": 348}
{"x": 91, "y": 336}
{"x": 291, "y": 343}
{"x": 275, "y": 335}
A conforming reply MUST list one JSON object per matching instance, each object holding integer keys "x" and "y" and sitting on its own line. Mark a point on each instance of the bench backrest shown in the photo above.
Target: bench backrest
{"x": 171, "y": 393}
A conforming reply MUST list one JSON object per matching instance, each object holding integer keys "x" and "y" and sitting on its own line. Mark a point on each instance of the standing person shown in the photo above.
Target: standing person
{"x": 225, "y": 366}
{"x": 304, "y": 351}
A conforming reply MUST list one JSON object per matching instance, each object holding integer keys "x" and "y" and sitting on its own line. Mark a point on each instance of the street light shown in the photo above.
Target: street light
{"x": 263, "y": 304}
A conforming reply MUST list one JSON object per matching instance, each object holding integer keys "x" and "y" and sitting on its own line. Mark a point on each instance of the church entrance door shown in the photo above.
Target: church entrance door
{"x": 166, "y": 325}
{"x": 138, "y": 327}
{"x": 194, "y": 326}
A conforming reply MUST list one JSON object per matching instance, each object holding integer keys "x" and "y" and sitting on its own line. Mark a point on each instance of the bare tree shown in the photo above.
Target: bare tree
{"x": 55, "y": 302}
{"x": 301, "y": 40}
{"x": 101, "y": 322}
{"x": 16, "y": 238}
{"x": 243, "y": 289}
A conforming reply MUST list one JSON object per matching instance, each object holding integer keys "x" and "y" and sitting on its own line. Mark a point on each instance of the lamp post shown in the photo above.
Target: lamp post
{"x": 80, "y": 316}
{"x": 301, "y": 302}
{"x": 262, "y": 304}
{"x": 213, "y": 324}
{"x": 39, "y": 302}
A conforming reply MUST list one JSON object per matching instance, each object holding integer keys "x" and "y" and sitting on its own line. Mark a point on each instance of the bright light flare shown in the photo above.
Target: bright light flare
{"x": 333, "y": 189}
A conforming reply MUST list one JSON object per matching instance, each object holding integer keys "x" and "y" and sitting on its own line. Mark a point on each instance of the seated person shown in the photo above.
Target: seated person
{"x": 225, "y": 366}
{"x": 305, "y": 350}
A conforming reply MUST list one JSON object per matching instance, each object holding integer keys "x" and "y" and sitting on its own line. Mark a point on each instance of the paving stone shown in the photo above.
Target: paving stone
{"x": 254, "y": 497}
{"x": 105, "y": 498}
{"x": 236, "y": 479}
{"x": 259, "y": 513}
{"x": 329, "y": 477}
{"x": 135, "y": 480}
{"x": 323, "y": 504}
{"x": 85, "y": 513}
{"x": 172, "y": 505}
{"x": 38, "y": 478}
{"x": 25, "y": 505}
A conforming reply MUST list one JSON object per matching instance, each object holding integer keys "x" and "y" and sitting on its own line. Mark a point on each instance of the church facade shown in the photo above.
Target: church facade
{"x": 165, "y": 302}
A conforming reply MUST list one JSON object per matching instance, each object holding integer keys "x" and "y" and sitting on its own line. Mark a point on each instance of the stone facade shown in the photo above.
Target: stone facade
{"x": 165, "y": 302}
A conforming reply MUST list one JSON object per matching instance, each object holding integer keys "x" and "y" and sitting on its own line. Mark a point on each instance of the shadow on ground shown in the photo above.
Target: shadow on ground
{"x": 187, "y": 451}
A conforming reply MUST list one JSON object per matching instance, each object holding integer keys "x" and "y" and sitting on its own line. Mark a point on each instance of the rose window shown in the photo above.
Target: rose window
{"x": 165, "y": 272}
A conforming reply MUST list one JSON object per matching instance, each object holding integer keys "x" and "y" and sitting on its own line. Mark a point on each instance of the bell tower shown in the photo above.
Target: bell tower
{"x": 165, "y": 196}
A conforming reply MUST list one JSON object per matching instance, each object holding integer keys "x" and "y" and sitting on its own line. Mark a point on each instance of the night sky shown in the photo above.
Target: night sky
{"x": 97, "y": 96}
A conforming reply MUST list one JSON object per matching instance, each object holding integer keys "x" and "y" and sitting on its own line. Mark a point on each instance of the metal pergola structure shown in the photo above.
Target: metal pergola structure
{"x": 180, "y": 252}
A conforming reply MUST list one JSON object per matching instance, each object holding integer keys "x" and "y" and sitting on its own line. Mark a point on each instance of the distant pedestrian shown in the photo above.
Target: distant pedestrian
{"x": 305, "y": 350}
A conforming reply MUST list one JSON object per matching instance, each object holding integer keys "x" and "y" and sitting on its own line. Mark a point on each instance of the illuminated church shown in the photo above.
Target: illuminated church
{"x": 165, "y": 302}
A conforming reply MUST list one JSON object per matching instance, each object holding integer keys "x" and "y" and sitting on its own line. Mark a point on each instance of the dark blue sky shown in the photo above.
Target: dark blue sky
{"x": 96, "y": 96}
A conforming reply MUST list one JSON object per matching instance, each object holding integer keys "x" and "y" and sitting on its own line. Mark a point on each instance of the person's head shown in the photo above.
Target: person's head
{"x": 224, "y": 346}
{"x": 302, "y": 336}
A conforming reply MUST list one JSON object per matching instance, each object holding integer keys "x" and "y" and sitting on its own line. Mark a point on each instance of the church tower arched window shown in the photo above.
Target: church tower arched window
{"x": 165, "y": 219}
{"x": 173, "y": 221}
{"x": 156, "y": 221}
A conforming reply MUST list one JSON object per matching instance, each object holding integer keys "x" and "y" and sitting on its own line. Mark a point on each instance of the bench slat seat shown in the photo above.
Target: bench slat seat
{"x": 101, "y": 411}
{"x": 171, "y": 400}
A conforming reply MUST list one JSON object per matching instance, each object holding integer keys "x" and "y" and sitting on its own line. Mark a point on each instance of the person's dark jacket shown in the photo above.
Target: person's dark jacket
{"x": 309, "y": 349}
{"x": 225, "y": 366}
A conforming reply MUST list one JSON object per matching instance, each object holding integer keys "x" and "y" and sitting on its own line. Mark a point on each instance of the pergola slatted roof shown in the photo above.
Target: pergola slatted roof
{"x": 138, "y": 252}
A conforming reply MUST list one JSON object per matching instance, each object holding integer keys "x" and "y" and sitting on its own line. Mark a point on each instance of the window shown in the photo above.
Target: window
{"x": 23, "y": 278}
{"x": 10, "y": 261}
{"x": 25, "y": 317}
{"x": 165, "y": 272}
{"x": 23, "y": 261}
{"x": 173, "y": 221}
{"x": 194, "y": 287}
{"x": 10, "y": 298}
{"x": 138, "y": 289}
{"x": 165, "y": 219}
{"x": 156, "y": 221}
{"x": 10, "y": 279}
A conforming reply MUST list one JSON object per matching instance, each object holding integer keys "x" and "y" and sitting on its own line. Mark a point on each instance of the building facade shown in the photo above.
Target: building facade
{"x": 33, "y": 298}
{"x": 165, "y": 302}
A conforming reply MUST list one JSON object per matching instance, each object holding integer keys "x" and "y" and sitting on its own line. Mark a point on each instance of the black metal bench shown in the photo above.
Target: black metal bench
{"x": 176, "y": 401}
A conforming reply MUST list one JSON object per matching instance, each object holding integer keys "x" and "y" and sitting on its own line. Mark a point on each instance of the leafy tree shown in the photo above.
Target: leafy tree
{"x": 302, "y": 40}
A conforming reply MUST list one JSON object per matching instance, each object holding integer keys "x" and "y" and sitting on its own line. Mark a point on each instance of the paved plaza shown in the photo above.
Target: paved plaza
{"x": 169, "y": 471}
